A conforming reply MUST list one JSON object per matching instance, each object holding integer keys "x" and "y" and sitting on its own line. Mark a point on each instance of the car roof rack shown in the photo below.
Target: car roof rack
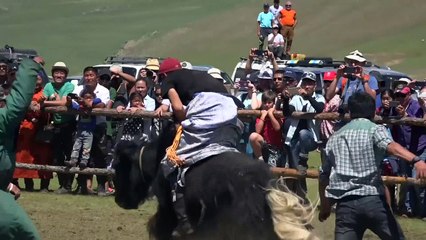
{"x": 129, "y": 60}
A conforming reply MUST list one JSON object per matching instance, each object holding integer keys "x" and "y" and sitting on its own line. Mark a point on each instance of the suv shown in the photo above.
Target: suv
{"x": 130, "y": 65}
{"x": 386, "y": 77}
{"x": 316, "y": 65}
{"x": 133, "y": 65}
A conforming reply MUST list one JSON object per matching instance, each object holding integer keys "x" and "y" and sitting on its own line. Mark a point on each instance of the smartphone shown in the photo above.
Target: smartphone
{"x": 394, "y": 103}
{"x": 73, "y": 95}
{"x": 293, "y": 91}
{"x": 243, "y": 85}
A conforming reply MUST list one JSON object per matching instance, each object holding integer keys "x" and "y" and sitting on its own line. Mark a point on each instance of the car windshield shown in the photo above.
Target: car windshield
{"x": 226, "y": 78}
{"x": 419, "y": 85}
{"x": 129, "y": 70}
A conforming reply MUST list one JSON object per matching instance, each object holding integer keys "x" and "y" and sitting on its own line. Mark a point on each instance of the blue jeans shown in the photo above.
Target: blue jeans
{"x": 83, "y": 144}
{"x": 300, "y": 146}
{"x": 355, "y": 214}
{"x": 414, "y": 196}
{"x": 244, "y": 145}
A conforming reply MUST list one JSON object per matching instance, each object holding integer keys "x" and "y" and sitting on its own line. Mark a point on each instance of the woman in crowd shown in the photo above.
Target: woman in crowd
{"x": 29, "y": 148}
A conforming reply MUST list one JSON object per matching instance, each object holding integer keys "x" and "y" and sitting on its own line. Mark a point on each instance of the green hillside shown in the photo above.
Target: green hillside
{"x": 84, "y": 32}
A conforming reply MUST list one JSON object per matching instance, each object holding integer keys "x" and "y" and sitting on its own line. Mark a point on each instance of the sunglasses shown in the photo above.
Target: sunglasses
{"x": 288, "y": 5}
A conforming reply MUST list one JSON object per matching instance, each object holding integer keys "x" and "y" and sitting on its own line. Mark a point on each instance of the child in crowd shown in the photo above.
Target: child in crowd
{"x": 132, "y": 128}
{"x": 390, "y": 165}
{"x": 267, "y": 141}
{"x": 85, "y": 128}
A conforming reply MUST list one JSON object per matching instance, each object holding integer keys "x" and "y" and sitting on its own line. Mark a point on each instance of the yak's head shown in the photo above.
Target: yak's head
{"x": 136, "y": 167}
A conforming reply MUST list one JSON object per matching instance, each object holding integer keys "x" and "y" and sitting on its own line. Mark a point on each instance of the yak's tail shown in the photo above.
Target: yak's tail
{"x": 289, "y": 215}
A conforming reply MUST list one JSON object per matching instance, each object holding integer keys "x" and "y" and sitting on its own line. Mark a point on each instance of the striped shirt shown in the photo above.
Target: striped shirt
{"x": 354, "y": 154}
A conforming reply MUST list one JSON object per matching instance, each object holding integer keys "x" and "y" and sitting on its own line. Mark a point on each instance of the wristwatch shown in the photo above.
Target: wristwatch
{"x": 415, "y": 160}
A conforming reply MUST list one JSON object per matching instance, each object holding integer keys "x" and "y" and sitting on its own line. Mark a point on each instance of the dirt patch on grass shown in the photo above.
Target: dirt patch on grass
{"x": 388, "y": 59}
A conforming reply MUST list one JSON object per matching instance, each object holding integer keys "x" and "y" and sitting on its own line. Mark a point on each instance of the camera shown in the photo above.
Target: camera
{"x": 349, "y": 70}
{"x": 73, "y": 96}
{"x": 260, "y": 53}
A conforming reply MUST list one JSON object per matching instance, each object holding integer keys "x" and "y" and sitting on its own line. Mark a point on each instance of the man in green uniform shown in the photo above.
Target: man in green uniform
{"x": 14, "y": 222}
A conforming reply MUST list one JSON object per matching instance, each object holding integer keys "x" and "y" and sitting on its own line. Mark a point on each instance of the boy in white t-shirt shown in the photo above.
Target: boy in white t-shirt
{"x": 276, "y": 42}
{"x": 276, "y": 9}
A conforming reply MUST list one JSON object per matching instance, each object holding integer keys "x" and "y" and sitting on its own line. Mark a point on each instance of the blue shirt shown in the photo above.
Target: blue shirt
{"x": 86, "y": 123}
{"x": 353, "y": 86}
{"x": 265, "y": 19}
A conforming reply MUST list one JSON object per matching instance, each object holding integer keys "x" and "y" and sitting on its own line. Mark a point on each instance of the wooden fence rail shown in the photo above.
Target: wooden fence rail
{"x": 241, "y": 113}
{"x": 284, "y": 172}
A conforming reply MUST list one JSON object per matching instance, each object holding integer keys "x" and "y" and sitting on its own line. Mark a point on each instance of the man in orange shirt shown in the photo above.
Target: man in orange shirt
{"x": 287, "y": 18}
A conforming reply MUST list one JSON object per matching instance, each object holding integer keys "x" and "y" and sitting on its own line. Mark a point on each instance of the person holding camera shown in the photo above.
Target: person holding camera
{"x": 56, "y": 93}
{"x": 350, "y": 176}
{"x": 265, "y": 20}
{"x": 4, "y": 71}
{"x": 14, "y": 222}
{"x": 303, "y": 135}
{"x": 356, "y": 80}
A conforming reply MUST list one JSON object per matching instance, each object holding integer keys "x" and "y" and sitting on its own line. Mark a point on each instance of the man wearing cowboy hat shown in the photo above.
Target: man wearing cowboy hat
{"x": 56, "y": 93}
{"x": 356, "y": 80}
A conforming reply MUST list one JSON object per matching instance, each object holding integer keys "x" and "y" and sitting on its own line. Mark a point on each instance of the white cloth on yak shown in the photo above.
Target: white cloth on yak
{"x": 206, "y": 113}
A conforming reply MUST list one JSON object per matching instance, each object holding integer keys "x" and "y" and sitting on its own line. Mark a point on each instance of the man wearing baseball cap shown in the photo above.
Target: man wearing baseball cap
{"x": 304, "y": 134}
{"x": 201, "y": 121}
{"x": 357, "y": 80}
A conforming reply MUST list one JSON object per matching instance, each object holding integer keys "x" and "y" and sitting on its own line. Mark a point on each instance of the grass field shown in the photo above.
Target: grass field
{"x": 84, "y": 32}
{"x": 83, "y": 217}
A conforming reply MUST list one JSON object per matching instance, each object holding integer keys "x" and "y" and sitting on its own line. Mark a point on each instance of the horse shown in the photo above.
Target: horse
{"x": 227, "y": 196}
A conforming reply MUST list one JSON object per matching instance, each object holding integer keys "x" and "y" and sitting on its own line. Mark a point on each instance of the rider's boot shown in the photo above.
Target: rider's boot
{"x": 184, "y": 226}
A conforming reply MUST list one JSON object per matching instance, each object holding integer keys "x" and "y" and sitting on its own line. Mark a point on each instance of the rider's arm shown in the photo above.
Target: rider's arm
{"x": 177, "y": 106}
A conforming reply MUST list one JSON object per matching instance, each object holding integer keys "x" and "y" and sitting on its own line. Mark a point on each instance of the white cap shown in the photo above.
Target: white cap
{"x": 405, "y": 80}
{"x": 214, "y": 72}
{"x": 356, "y": 56}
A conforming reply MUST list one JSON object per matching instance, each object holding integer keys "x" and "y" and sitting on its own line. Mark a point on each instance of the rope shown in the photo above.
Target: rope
{"x": 171, "y": 151}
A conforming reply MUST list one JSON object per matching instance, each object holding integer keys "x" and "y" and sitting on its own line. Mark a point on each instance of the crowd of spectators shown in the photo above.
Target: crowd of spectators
{"x": 83, "y": 141}
{"x": 88, "y": 141}
{"x": 287, "y": 142}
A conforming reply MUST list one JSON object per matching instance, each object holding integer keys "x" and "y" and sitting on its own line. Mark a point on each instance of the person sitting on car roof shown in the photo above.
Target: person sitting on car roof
{"x": 357, "y": 80}
{"x": 276, "y": 42}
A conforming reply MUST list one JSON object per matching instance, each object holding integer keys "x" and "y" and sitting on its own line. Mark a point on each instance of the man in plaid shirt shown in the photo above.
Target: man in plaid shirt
{"x": 350, "y": 174}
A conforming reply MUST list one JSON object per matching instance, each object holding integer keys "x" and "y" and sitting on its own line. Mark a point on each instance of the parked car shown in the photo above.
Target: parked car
{"x": 227, "y": 80}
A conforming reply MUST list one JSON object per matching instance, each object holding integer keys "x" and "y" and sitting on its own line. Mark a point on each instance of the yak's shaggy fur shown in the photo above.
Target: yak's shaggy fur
{"x": 226, "y": 195}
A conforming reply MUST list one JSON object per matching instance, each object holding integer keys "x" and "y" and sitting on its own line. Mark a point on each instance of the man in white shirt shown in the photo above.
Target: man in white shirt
{"x": 276, "y": 42}
{"x": 98, "y": 151}
{"x": 276, "y": 9}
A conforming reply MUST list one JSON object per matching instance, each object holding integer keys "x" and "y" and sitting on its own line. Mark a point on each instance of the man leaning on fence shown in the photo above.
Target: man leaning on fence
{"x": 14, "y": 222}
{"x": 350, "y": 174}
